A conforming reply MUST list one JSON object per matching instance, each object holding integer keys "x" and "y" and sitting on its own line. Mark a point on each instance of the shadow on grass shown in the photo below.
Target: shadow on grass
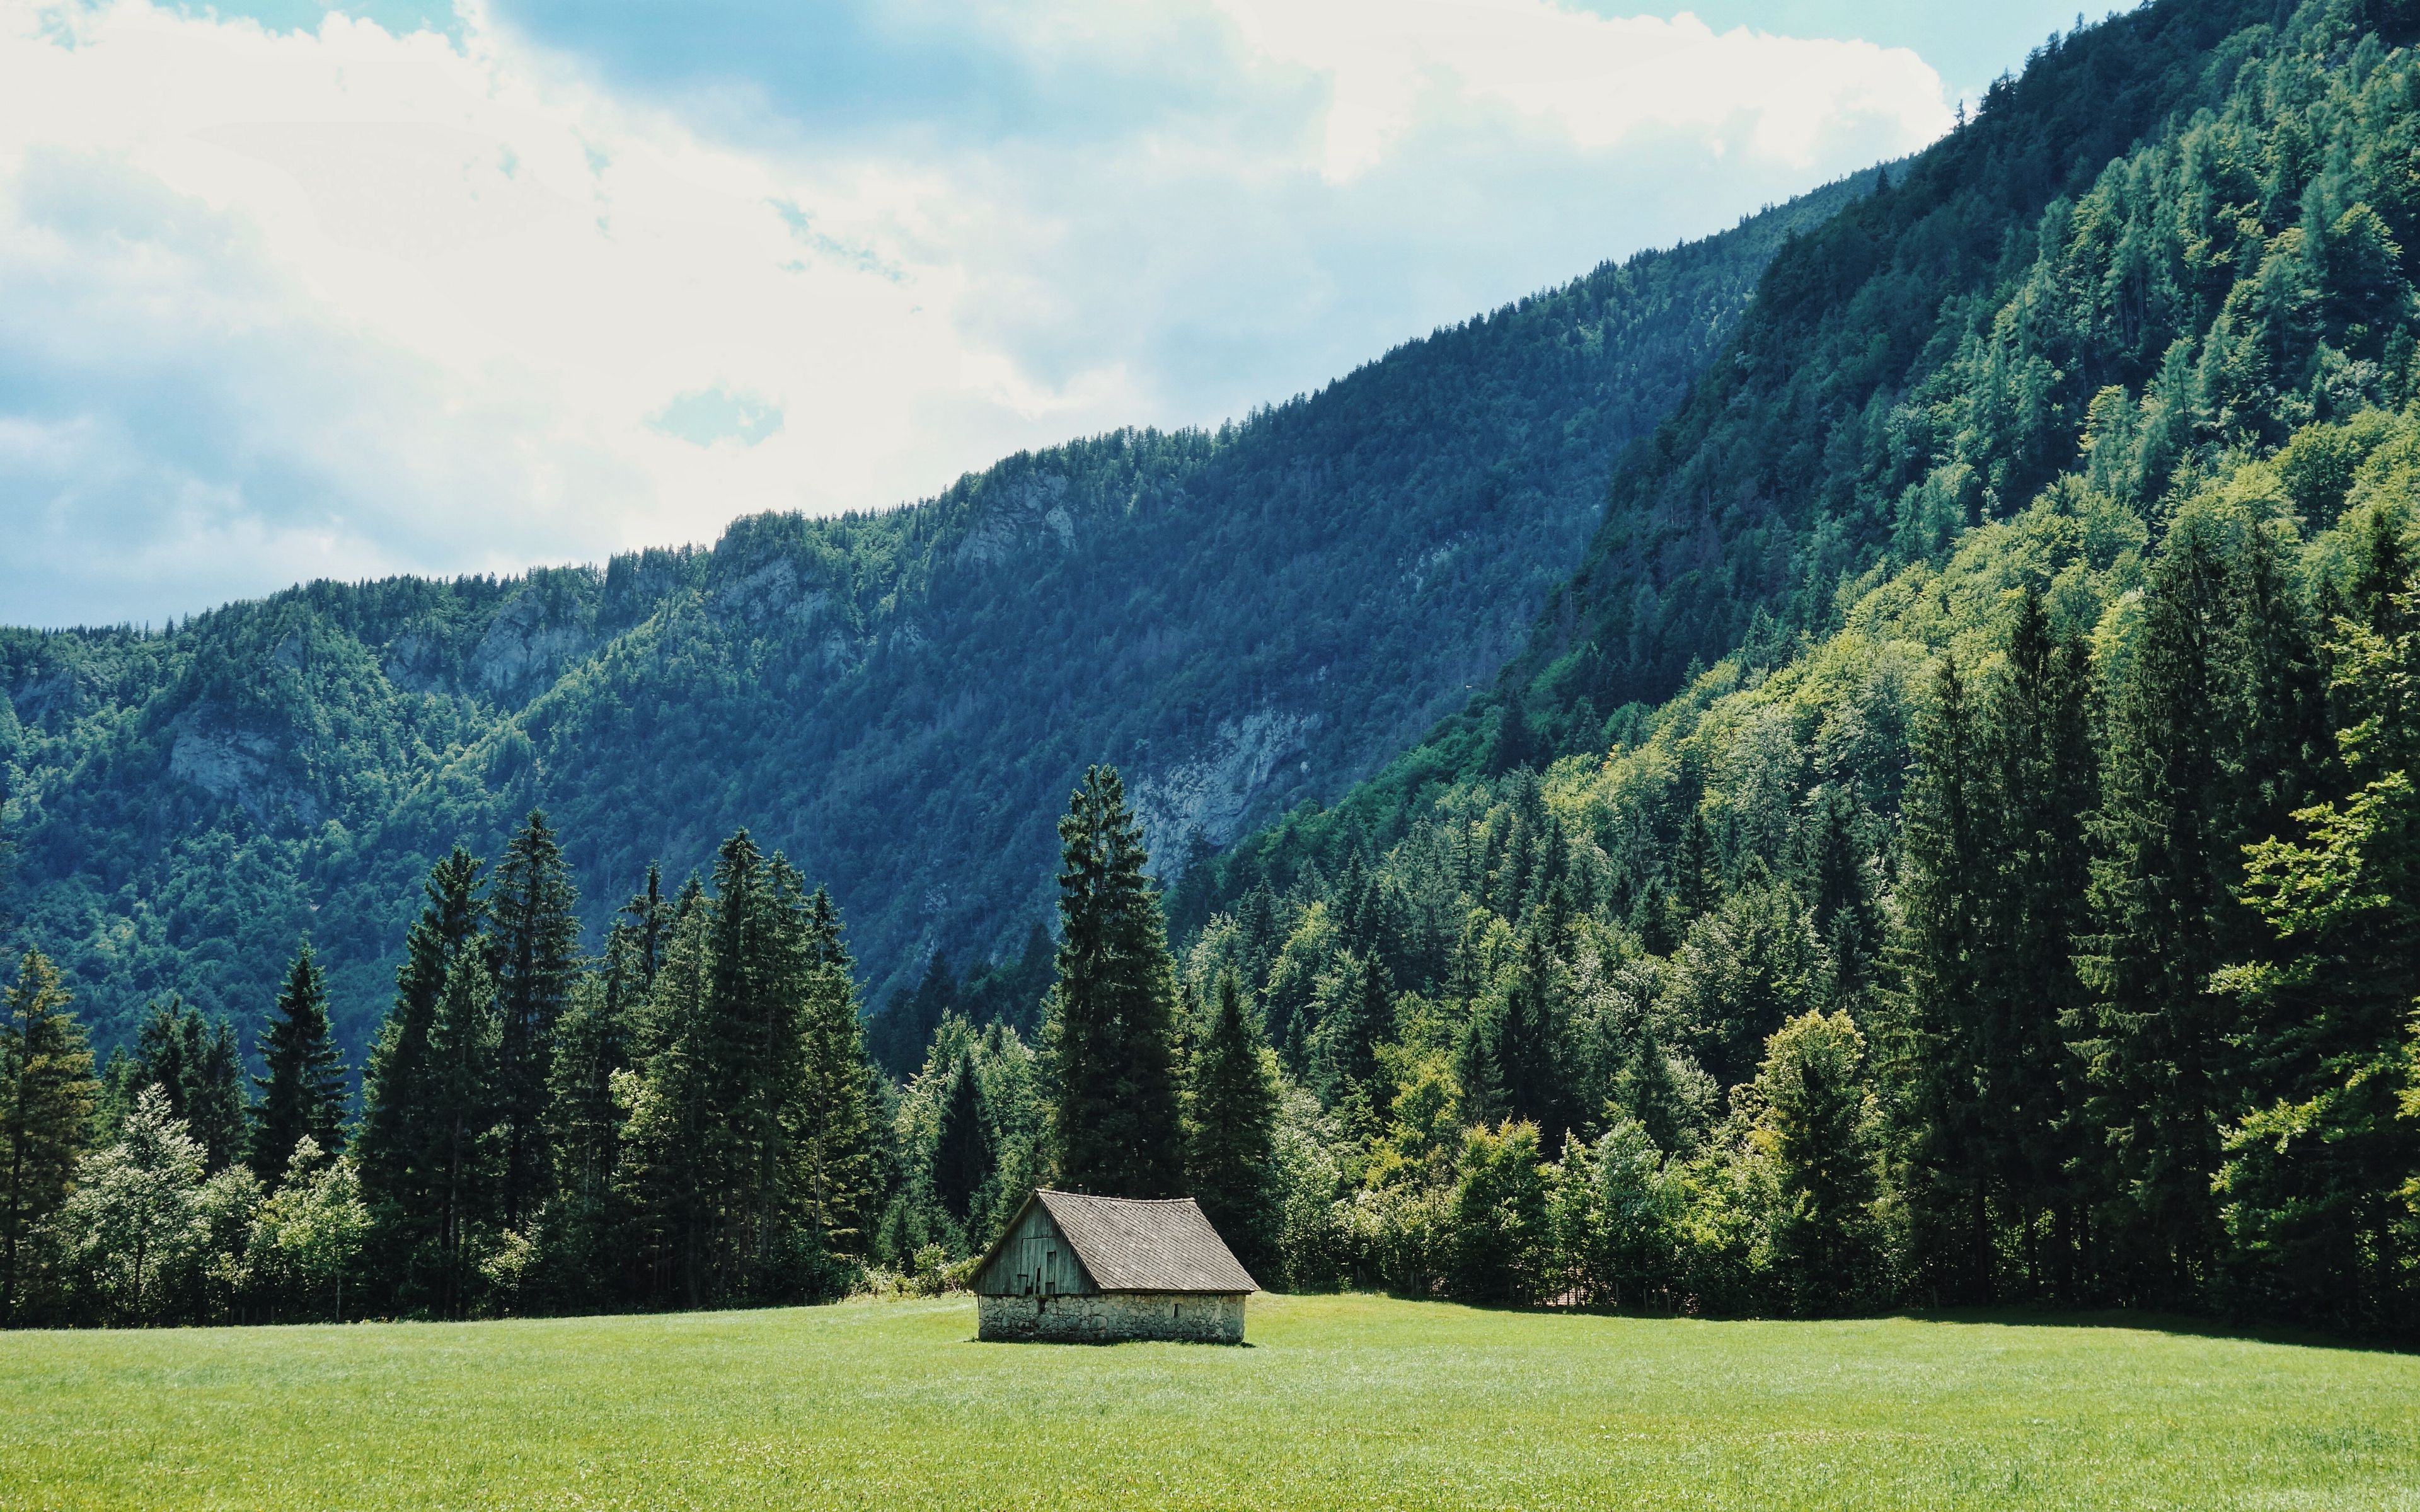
{"x": 2183, "y": 1325}
{"x": 1106, "y": 1344}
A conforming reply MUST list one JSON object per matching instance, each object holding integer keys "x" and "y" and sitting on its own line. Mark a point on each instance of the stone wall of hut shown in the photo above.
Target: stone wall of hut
{"x": 1107, "y": 1318}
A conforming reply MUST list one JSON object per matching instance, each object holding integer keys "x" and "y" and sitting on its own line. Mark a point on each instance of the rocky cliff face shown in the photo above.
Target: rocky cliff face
{"x": 1248, "y": 768}
{"x": 249, "y": 768}
{"x": 528, "y": 645}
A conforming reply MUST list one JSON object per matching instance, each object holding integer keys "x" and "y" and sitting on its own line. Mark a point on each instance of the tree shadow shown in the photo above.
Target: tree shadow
{"x": 2182, "y": 1325}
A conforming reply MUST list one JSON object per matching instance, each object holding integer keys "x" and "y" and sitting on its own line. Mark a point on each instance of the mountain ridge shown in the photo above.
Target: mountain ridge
{"x": 1265, "y": 609}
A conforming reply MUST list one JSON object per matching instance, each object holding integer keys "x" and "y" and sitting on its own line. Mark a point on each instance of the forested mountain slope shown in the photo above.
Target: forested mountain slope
{"x": 2023, "y": 905}
{"x": 1932, "y": 358}
{"x": 1244, "y": 620}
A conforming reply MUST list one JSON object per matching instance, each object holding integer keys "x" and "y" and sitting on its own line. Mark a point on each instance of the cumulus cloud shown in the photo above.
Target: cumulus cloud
{"x": 554, "y": 281}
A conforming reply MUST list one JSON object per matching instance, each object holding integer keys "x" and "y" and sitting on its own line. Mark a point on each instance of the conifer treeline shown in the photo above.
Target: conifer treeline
{"x": 689, "y": 1119}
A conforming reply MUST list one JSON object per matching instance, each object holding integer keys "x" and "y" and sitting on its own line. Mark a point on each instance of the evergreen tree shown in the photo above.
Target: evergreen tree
{"x": 303, "y": 1093}
{"x": 1531, "y": 1054}
{"x": 962, "y": 1155}
{"x": 167, "y": 1050}
{"x": 2320, "y": 1173}
{"x": 584, "y": 1118}
{"x": 1697, "y": 880}
{"x": 1845, "y": 916}
{"x": 596, "y": 1041}
{"x": 750, "y": 1152}
{"x": 748, "y": 1047}
{"x": 460, "y": 1148}
{"x": 198, "y": 1065}
{"x": 404, "y": 1148}
{"x": 662, "y": 1173}
{"x": 218, "y": 1105}
{"x": 838, "y": 1143}
{"x": 905, "y": 1025}
{"x": 2044, "y": 777}
{"x": 1648, "y": 1091}
{"x": 1231, "y": 1130}
{"x": 1349, "y": 1039}
{"x": 649, "y": 918}
{"x": 1113, "y": 1122}
{"x": 2163, "y": 893}
{"x": 1479, "y": 1066}
{"x": 1745, "y": 969}
{"x": 1945, "y": 901}
{"x": 534, "y": 943}
{"x": 47, "y": 1095}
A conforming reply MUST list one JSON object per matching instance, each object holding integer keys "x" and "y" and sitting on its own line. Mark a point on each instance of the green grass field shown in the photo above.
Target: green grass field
{"x": 1338, "y": 1401}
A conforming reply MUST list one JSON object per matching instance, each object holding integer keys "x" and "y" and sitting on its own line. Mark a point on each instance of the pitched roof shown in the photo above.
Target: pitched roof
{"x": 1138, "y": 1245}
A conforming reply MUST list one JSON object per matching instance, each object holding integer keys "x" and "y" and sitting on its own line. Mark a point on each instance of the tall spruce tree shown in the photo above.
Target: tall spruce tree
{"x": 1231, "y": 1130}
{"x": 838, "y": 1144}
{"x": 1349, "y": 1040}
{"x": 649, "y": 916}
{"x": 302, "y": 1094}
{"x": 47, "y": 1095}
{"x": 166, "y": 1049}
{"x": 1696, "y": 869}
{"x": 596, "y": 1042}
{"x": 218, "y": 1105}
{"x": 749, "y": 1051}
{"x": 1531, "y": 1054}
{"x": 460, "y": 1145}
{"x": 662, "y": 1173}
{"x": 2163, "y": 891}
{"x": 1946, "y": 901}
{"x": 534, "y": 945}
{"x": 962, "y": 1153}
{"x": 749, "y": 1155}
{"x": 404, "y": 1149}
{"x": 1114, "y": 1127}
{"x": 2044, "y": 779}
{"x": 1847, "y": 921}
{"x": 584, "y": 1117}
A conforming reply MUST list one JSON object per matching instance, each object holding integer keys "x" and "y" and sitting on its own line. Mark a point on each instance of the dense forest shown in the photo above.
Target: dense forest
{"x": 1244, "y": 619}
{"x": 1952, "y": 844}
{"x": 2022, "y": 908}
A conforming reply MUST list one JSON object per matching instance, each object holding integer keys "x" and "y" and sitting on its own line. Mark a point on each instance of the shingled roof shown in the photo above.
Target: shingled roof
{"x": 1138, "y": 1245}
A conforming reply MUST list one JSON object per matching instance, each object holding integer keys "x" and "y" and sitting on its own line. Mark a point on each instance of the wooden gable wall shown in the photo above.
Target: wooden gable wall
{"x": 1035, "y": 1260}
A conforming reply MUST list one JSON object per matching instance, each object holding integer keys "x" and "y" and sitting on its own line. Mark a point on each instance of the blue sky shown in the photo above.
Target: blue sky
{"x": 391, "y": 287}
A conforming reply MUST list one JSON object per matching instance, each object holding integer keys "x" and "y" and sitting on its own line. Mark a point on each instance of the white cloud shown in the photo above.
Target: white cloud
{"x": 1600, "y": 80}
{"x": 343, "y": 302}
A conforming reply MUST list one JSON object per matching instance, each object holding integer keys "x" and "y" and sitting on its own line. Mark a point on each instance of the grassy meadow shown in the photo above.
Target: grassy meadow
{"x": 1338, "y": 1401}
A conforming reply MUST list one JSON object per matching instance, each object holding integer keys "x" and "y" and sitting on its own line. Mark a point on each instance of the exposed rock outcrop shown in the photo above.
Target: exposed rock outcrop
{"x": 250, "y": 768}
{"x": 1210, "y": 797}
{"x": 1029, "y": 509}
{"x": 528, "y": 644}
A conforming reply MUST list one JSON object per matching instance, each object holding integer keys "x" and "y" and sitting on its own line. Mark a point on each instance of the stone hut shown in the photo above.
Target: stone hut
{"x": 1098, "y": 1270}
